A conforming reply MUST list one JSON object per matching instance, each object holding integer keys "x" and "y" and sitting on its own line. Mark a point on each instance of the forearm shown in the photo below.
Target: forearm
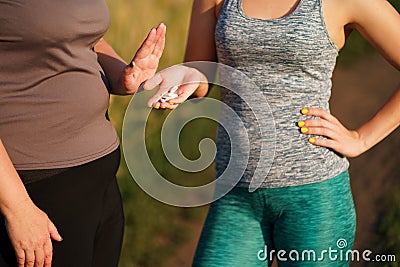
{"x": 112, "y": 64}
{"x": 386, "y": 120}
{"x": 12, "y": 190}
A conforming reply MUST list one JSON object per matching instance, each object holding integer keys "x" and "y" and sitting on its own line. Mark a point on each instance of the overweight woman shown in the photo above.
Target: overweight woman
{"x": 59, "y": 153}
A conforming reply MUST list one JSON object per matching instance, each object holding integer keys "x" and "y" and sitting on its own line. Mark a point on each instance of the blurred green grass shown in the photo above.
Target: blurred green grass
{"x": 154, "y": 231}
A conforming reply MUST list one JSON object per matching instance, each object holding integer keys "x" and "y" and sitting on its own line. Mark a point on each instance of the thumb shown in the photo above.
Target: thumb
{"x": 130, "y": 68}
{"x": 54, "y": 232}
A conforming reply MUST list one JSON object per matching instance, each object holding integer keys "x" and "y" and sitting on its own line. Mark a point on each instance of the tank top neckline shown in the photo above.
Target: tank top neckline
{"x": 284, "y": 17}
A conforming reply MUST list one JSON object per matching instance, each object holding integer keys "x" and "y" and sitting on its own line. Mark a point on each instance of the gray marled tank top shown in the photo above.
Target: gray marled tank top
{"x": 291, "y": 59}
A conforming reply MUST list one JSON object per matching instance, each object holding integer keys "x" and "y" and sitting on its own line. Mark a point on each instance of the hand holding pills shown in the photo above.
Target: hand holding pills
{"x": 167, "y": 96}
{"x": 176, "y": 84}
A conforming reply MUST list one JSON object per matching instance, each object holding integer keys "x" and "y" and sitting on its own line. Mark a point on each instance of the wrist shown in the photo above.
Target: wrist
{"x": 130, "y": 79}
{"x": 362, "y": 143}
{"x": 14, "y": 207}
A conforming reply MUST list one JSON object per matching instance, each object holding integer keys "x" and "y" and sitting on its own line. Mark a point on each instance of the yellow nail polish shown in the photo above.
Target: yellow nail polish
{"x": 311, "y": 140}
{"x": 304, "y": 130}
{"x": 156, "y": 107}
{"x": 304, "y": 111}
{"x": 301, "y": 123}
{"x": 171, "y": 103}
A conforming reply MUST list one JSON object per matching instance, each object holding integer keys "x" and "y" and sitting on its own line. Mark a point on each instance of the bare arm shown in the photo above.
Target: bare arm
{"x": 379, "y": 23}
{"x": 28, "y": 227}
{"x": 12, "y": 190}
{"x": 200, "y": 47}
{"x": 126, "y": 79}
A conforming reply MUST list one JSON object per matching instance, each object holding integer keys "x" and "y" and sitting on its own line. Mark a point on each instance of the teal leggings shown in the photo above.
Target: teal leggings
{"x": 307, "y": 225}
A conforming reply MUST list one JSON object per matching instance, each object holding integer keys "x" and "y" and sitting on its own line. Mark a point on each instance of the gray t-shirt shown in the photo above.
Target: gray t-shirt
{"x": 53, "y": 97}
{"x": 291, "y": 59}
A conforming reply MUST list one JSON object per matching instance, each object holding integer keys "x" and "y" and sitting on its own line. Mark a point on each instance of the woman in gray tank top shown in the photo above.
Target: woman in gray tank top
{"x": 289, "y": 50}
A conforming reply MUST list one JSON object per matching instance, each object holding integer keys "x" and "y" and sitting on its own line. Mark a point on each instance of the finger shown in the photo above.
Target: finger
{"x": 319, "y": 112}
{"x": 54, "y": 232}
{"x": 160, "y": 40}
{"x": 322, "y": 142}
{"x": 157, "y": 96}
{"x": 39, "y": 257}
{"x": 129, "y": 70}
{"x": 184, "y": 92}
{"x": 147, "y": 46}
{"x": 48, "y": 253}
{"x": 320, "y": 131}
{"x": 179, "y": 100}
{"x": 29, "y": 258}
{"x": 168, "y": 105}
{"x": 20, "y": 254}
{"x": 318, "y": 122}
{"x": 156, "y": 105}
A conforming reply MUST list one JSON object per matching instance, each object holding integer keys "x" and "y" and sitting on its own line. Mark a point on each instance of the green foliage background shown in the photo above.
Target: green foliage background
{"x": 154, "y": 231}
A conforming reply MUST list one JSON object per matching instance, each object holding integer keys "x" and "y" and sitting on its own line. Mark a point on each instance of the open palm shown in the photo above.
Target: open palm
{"x": 145, "y": 62}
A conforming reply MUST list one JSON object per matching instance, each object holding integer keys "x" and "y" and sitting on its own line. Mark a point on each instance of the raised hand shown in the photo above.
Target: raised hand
{"x": 145, "y": 62}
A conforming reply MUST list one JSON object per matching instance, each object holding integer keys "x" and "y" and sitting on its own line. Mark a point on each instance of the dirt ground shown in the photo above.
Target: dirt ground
{"x": 359, "y": 90}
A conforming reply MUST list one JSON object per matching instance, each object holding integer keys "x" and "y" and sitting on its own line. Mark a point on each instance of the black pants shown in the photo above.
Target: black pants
{"x": 85, "y": 204}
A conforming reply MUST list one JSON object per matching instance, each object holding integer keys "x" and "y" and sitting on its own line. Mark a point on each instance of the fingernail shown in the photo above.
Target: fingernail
{"x": 156, "y": 107}
{"x": 301, "y": 123}
{"x": 131, "y": 64}
{"x": 311, "y": 140}
{"x": 304, "y": 111}
{"x": 304, "y": 130}
{"x": 171, "y": 103}
{"x": 61, "y": 239}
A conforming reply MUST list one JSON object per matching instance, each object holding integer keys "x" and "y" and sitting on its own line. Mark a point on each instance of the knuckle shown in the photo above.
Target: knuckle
{"x": 323, "y": 141}
{"x": 30, "y": 262}
{"x": 323, "y": 131}
{"x": 39, "y": 242}
{"x": 20, "y": 258}
{"x": 320, "y": 142}
{"x": 323, "y": 123}
{"x": 48, "y": 255}
{"x": 24, "y": 244}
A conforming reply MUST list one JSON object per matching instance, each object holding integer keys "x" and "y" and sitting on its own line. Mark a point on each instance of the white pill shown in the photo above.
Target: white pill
{"x": 173, "y": 89}
{"x": 171, "y": 95}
